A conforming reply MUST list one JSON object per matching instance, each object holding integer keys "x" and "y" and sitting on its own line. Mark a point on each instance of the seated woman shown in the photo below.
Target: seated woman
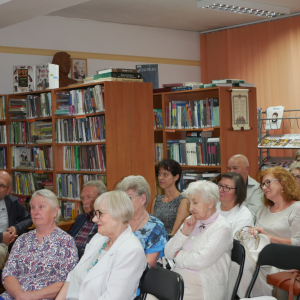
{"x": 233, "y": 192}
{"x": 295, "y": 171}
{"x": 171, "y": 208}
{"x": 149, "y": 230}
{"x": 114, "y": 259}
{"x": 297, "y": 155}
{"x": 278, "y": 218}
{"x": 41, "y": 259}
{"x": 202, "y": 248}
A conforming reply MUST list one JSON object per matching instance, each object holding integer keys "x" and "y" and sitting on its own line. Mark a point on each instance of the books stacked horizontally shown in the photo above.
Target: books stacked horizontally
{"x": 191, "y": 176}
{"x": 195, "y": 150}
{"x": 193, "y": 114}
{"x": 81, "y": 101}
{"x": 281, "y": 141}
{"x": 227, "y": 82}
{"x": 157, "y": 118}
{"x": 18, "y": 108}
{"x": 178, "y": 86}
{"x": 115, "y": 74}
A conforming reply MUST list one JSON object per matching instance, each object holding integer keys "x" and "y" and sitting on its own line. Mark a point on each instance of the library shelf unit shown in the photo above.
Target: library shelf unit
{"x": 3, "y": 121}
{"x": 128, "y": 141}
{"x": 231, "y": 141}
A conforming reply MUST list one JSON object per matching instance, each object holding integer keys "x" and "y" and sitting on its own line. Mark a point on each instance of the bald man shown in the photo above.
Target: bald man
{"x": 240, "y": 164}
{"x": 14, "y": 219}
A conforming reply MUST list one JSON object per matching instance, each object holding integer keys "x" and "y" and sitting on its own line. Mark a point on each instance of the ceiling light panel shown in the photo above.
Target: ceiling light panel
{"x": 244, "y": 7}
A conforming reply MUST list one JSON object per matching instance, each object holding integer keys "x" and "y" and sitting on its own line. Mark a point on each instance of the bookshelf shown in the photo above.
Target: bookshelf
{"x": 231, "y": 141}
{"x": 128, "y": 140}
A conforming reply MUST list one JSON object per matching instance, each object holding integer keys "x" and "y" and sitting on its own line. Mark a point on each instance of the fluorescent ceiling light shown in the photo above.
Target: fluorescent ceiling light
{"x": 244, "y": 7}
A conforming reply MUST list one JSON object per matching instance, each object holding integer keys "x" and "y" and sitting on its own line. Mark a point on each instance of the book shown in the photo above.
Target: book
{"x": 47, "y": 76}
{"x": 293, "y": 143}
{"x": 117, "y": 79}
{"x": 118, "y": 75}
{"x": 281, "y": 143}
{"x": 243, "y": 84}
{"x": 269, "y": 142}
{"x": 24, "y": 79}
{"x": 209, "y": 85}
{"x": 228, "y": 81}
{"x": 117, "y": 70}
{"x": 274, "y": 115}
{"x": 149, "y": 74}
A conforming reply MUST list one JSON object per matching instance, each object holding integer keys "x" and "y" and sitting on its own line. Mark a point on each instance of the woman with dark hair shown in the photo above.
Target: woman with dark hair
{"x": 232, "y": 189}
{"x": 171, "y": 208}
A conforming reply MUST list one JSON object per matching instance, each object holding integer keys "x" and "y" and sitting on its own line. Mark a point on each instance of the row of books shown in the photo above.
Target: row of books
{"x": 85, "y": 130}
{"x": 23, "y": 132}
{"x": 3, "y": 139}
{"x": 193, "y": 114}
{"x": 81, "y": 101}
{"x": 227, "y": 83}
{"x": 2, "y": 158}
{"x": 281, "y": 141}
{"x": 2, "y": 108}
{"x": 87, "y": 158}
{"x": 69, "y": 185}
{"x": 158, "y": 150}
{"x": 195, "y": 151}
{"x": 67, "y": 210}
{"x": 36, "y": 158}
{"x": 26, "y": 183}
{"x": 157, "y": 118}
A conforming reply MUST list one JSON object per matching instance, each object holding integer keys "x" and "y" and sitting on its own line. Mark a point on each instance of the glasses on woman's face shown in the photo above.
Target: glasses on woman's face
{"x": 225, "y": 188}
{"x": 297, "y": 177}
{"x": 268, "y": 182}
{"x": 98, "y": 213}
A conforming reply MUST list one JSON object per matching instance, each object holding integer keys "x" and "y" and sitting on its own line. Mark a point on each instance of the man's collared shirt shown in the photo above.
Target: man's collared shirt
{"x": 87, "y": 231}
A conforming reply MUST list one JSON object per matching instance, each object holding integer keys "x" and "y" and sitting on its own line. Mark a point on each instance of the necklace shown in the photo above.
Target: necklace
{"x": 140, "y": 222}
{"x": 96, "y": 261}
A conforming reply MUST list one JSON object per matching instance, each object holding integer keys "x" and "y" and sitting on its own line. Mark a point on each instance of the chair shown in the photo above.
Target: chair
{"x": 238, "y": 256}
{"x": 80, "y": 251}
{"x": 281, "y": 256}
{"x": 163, "y": 284}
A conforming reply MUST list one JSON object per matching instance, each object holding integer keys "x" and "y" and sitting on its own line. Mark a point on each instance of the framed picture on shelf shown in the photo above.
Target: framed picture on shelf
{"x": 78, "y": 68}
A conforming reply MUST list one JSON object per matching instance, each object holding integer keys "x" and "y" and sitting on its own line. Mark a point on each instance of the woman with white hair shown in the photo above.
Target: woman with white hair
{"x": 41, "y": 259}
{"x": 202, "y": 247}
{"x": 114, "y": 259}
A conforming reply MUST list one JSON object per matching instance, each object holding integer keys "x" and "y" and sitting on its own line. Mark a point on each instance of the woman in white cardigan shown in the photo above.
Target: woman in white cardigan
{"x": 114, "y": 259}
{"x": 202, "y": 247}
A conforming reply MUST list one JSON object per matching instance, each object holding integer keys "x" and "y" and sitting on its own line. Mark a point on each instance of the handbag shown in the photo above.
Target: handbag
{"x": 288, "y": 281}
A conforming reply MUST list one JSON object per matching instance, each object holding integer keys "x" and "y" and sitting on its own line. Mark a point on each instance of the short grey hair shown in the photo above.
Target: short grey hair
{"x": 207, "y": 190}
{"x": 99, "y": 184}
{"x": 137, "y": 183}
{"x": 297, "y": 154}
{"x": 118, "y": 205}
{"x": 294, "y": 165}
{"x": 51, "y": 198}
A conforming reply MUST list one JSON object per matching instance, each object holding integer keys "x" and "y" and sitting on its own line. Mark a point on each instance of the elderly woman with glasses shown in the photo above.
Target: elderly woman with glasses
{"x": 201, "y": 247}
{"x": 114, "y": 259}
{"x": 233, "y": 192}
{"x": 295, "y": 171}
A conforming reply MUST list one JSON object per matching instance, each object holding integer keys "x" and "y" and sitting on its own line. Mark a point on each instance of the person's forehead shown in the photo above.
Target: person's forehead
{"x": 89, "y": 189}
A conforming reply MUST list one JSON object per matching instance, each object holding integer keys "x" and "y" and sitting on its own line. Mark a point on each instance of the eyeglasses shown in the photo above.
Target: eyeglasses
{"x": 131, "y": 197}
{"x": 3, "y": 186}
{"x": 225, "y": 188}
{"x": 268, "y": 182}
{"x": 297, "y": 177}
{"x": 98, "y": 213}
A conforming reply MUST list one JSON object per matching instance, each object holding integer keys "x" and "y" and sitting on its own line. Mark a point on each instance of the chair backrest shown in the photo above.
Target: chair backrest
{"x": 238, "y": 256}
{"x": 281, "y": 256}
{"x": 80, "y": 251}
{"x": 163, "y": 284}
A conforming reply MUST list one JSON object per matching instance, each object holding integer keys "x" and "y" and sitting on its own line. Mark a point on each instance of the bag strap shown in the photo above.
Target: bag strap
{"x": 291, "y": 285}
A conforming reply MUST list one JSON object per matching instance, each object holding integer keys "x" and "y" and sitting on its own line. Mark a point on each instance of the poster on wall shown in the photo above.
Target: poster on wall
{"x": 149, "y": 74}
{"x": 240, "y": 109}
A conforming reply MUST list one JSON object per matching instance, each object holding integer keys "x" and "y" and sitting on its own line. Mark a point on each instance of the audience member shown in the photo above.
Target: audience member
{"x": 278, "y": 218}
{"x": 240, "y": 164}
{"x": 147, "y": 228}
{"x": 84, "y": 228}
{"x": 233, "y": 191}
{"x": 202, "y": 248}
{"x": 171, "y": 208}
{"x": 297, "y": 155}
{"x": 295, "y": 171}
{"x": 14, "y": 219}
{"x": 41, "y": 259}
{"x": 114, "y": 260}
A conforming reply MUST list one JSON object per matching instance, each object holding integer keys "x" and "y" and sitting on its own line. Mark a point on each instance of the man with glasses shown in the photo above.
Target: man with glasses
{"x": 239, "y": 163}
{"x": 84, "y": 228}
{"x": 14, "y": 219}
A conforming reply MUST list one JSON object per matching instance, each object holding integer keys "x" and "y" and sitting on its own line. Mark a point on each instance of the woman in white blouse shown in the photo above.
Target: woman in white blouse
{"x": 233, "y": 193}
{"x": 201, "y": 248}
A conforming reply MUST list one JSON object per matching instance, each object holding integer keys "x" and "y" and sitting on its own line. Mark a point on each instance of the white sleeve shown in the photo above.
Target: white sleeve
{"x": 294, "y": 220}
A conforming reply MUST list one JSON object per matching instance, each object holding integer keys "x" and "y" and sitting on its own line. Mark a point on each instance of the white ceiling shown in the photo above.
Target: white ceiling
{"x": 172, "y": 14}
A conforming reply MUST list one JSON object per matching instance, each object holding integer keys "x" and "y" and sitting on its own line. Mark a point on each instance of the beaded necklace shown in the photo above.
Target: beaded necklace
{"x": 96, "y": 261}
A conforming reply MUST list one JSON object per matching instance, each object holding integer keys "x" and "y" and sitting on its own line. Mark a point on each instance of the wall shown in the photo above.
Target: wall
{"x": 104, "y": 44}
{"x": 266, "y": 54}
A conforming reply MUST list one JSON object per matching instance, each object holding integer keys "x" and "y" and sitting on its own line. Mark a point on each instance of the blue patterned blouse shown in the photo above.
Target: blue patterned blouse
{"x": 153, "y": 236}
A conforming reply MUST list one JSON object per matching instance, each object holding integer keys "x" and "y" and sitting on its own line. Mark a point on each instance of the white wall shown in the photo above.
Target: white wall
{"x": 63, "y": 34}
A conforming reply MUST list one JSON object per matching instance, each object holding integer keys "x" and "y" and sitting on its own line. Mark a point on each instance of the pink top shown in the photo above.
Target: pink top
{"x": 200, "y": 226}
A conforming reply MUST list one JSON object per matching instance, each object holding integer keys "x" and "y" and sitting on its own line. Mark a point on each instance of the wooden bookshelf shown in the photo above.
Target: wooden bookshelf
{"x": 231, "y": 141}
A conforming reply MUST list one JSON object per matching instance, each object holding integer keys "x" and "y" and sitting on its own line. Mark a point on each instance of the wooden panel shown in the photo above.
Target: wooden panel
{"x": 117, "y": 129}
{"x": 142, "y": 137}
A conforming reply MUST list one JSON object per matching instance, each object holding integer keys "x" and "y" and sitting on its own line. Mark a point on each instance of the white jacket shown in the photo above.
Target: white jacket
{"x": 117, "y": 274}
{"x": 211, "y": 256}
